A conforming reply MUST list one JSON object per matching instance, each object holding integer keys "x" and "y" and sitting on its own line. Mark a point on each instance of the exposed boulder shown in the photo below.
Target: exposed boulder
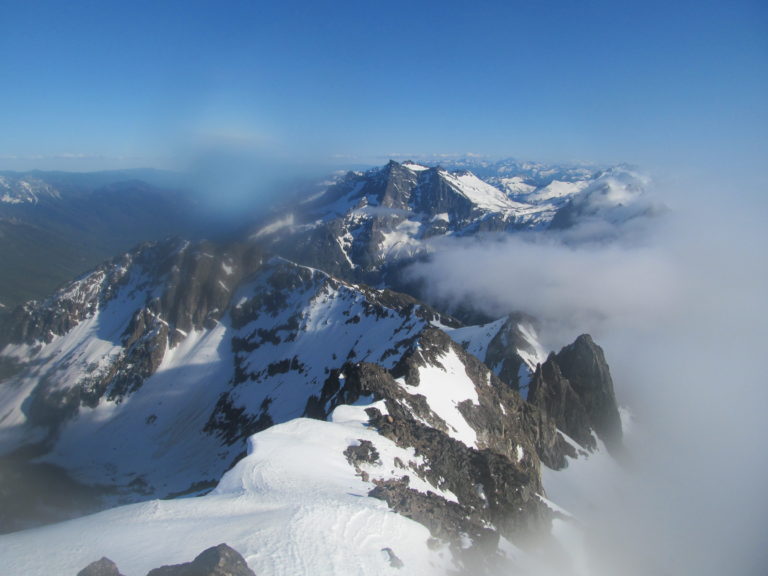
{"x": 102, "y": 567}
{"x": 363, "y": 452}
{"x": 394, "y": 561}
{"x": 220, "y": 560}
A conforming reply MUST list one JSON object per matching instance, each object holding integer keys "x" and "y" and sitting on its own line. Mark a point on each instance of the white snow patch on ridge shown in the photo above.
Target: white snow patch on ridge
{"x": 481, "y": 193}
{"x": 539, "y": 355}
{"x": 516, "y": 185}
{"x": 415, "y": 167}
{"x": 477, "y": 338}
{"x": 557, "y": 190}
{"x": 445, "y": 388}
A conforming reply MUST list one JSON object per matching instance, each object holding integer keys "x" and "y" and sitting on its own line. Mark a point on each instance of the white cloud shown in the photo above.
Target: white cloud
{"x": 681, "y": 312}
{"x": 573, "y": 286}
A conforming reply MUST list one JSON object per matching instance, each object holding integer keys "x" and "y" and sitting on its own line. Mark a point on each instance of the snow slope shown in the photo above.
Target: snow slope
{"x": 445, "y": 385}
{"x": 25, "y": 190}
{"x": 178, "y": 429}
{"x": 481, "y": 194}
{"x": 502, "y": 342}
{"x": 293, "y": 506}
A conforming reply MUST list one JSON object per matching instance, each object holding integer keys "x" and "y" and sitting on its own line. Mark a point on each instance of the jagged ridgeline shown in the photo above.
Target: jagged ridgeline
{"x": 367, "y": 225}
{"x": 149, "y": 377}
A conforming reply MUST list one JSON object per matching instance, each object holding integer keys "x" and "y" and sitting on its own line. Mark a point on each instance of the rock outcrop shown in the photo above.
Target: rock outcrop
{"x": 575, "y": 389}
{"x": 186, "y": 286}
{"x": 495, "y": 483}
{"x": 218, "y": 560}
{"x": 221, "y": 560}
{"x": 102, "y": 567}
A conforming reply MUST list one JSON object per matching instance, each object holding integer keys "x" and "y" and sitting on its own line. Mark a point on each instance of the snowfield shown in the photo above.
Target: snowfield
{"x": 293, "y": 506}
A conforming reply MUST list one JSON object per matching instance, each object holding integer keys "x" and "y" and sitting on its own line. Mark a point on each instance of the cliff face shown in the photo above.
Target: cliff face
{"x": 481, "y": 449}
{"x": 574, "y": 387}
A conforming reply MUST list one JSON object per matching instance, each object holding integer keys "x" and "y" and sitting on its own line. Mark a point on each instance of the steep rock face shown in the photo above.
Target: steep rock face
{"x": 138, "y": 306}
{"x": 480, "y": 449}
{"x": 187, "y": 285}
{"x": 435, "y": 195}
{"x": 294, "y": 328}
{"x": 244, "y": 344}
{"x": 575, "y": 389}
{"x": 509, "y": 346}
{"x": 512, "y": 351}
{"x": 269, "y": 353}
{"x": 367, "y": 222}
{"x": 66, "y": 308}
{"x": 552, "y": 392}
{"x": 392, "y": 186}
{"x": 583, "y": 364}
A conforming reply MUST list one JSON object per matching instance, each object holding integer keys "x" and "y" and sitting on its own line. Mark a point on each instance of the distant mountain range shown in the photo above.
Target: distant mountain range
{"x": 366, "y": 225}
{"x": 54, "y": 226}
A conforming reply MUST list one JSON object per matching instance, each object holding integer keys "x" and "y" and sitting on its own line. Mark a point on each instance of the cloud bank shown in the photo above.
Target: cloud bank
{"x": 569, "y": 286}
{"x": 680, "y": 308}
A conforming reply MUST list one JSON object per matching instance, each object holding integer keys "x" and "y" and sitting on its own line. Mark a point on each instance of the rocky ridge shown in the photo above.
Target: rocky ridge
{"x": 366, "y": 225}
{"x": 575, "y": 388}
{"x": 304, "y": 343}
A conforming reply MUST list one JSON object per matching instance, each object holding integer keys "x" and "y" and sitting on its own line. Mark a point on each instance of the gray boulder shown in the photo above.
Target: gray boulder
{"x": 102, "y": 567}
{"x": 219, "y": 560}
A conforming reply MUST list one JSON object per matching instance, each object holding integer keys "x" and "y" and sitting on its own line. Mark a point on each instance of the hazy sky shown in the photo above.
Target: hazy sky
{"x": 97, "y": 84}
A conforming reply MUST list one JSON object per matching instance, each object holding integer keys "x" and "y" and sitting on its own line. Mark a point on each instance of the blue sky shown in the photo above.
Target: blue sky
{"x": 101, "y": 84}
